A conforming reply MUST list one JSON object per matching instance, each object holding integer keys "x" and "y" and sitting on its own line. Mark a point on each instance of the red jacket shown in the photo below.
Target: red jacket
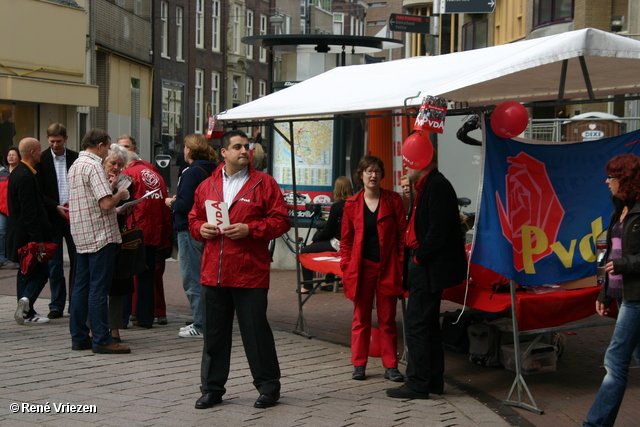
{"x": 392, "y": 226}
{"x": 151, "y": 214}
{"x": 242, "y": 263}
{"x": 4, "y": 188}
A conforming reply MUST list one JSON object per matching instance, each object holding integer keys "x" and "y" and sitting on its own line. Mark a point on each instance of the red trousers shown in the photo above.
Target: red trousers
{"x": 361, "y": 324}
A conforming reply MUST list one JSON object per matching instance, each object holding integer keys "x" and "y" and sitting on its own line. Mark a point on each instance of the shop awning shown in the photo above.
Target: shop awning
{"x": 25, "y": 89}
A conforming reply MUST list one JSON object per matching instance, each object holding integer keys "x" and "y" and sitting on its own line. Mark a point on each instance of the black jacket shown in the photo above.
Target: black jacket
{"x": 629, "y": 264}
{"x": 28, "y": 220}
{"x": 437, "y": 224}
{"x": 48, "y": 181}
{"x": 333, "y": 227}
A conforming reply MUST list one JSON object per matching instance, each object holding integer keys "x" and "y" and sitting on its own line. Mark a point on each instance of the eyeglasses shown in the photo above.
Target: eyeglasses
{"x": 373, "y": 172}
{"x": 612, "y": 177}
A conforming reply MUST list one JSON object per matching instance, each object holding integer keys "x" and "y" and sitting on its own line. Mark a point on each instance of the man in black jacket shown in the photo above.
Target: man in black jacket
{"x": 28, "y": 222}
{"x": 438, "y": 262}
{"x": 52, "y": 176}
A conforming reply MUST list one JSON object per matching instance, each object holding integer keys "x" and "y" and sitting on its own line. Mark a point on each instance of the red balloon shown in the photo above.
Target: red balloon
{"x": 417, "y": 151}
{"x": 509, "y": 119}
{"x": 374, "y": 344}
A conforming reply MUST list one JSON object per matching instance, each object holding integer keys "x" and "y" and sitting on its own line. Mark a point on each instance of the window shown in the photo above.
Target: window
{"x": 137, "y": 7}
{"x": 547, "y": 12}
{"x": 249, "y": 32}
{"x": 215, "y": 25}
{"x": 164, "y": 32}
{"x": 235, "y": 36}
{"x": 135, "y": 108}
{"x": 200, "y": 23}
{"x": 262, "y": 88}
{"x": 509, "y": 21}
{"x": 172, "y": 96}
{"x": 215, "y": 93}
{"x": 198, "y": 99}
{"x": 378, "y": 4}
{"x": 338, "y": 23}
{"x": 179, "y": 32}
{"x": 263, "y": 31}
{"x": 236, "y": 88}
{"x": 249, "y": 90}
{"x": 474, "y": 35}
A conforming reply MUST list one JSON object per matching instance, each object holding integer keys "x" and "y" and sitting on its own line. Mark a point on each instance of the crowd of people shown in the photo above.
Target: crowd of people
{"x": 391, "y": 246}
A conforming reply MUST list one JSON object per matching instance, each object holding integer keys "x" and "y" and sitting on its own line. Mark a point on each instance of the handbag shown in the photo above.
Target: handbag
{"x": 131, "y": 254}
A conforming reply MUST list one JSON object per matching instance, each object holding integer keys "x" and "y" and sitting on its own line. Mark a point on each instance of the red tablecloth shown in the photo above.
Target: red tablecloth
{"x": 535, "y": 311}
{"x": 315, "y": 262}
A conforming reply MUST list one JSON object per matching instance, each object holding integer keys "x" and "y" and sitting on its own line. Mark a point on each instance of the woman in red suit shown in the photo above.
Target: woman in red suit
{"x": 372, "y": 250}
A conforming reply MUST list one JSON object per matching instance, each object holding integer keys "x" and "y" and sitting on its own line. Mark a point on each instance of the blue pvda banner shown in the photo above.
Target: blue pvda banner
{"x": 543, "y": 206}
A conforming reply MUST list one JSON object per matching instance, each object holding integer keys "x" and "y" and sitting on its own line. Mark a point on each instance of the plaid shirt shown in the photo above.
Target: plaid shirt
{"x": 92, "y": 227}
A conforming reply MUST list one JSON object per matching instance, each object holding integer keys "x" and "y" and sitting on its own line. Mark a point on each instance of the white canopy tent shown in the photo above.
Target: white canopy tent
{"x": 586, "y": 63}
{"x": 580, "y": 66}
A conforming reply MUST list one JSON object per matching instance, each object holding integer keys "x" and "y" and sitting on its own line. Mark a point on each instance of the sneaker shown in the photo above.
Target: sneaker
{"x": 358, "y": 373}
{"x": 160, "y": 320}
{"x": 36, "y": 318}
{"x": 393, "y": 374}
{"x": 190, "y": 333}
{"x": 186, "y": 328}
{"x": 113, "y": 348}
{"x": 15, "y": 266}
{"x": 22, "y": 310}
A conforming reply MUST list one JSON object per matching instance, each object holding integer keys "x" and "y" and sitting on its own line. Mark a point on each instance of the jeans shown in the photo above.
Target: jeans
{"x": 625, "y": 342}
{"x": 3, "y": 235}
{"x": 190, "y": 251}
{"x": 57, "y": 281}
{"x": 94, "y": 274}
{"x": 31, "y": 284}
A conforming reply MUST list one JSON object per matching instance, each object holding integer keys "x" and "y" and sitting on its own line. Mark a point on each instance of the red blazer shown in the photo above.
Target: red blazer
{"x": 242, "y": 263}
{"x": 392, "y": 226}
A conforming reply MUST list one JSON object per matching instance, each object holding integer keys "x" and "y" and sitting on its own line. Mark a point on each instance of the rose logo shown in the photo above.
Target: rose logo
{"x": 531, "y": 201}
{"x": 150, "y": 179}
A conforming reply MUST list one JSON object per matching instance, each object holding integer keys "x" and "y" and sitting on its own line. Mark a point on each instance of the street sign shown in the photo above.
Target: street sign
{"x": 467, "y": 6}
{"x": 409, "y": 23}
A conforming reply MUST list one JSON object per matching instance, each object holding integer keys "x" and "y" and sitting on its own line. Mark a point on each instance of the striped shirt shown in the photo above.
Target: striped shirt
{"x": 60, "y": 164}
{"x": 231, "y": 185}
{"x": 92, "y": 227}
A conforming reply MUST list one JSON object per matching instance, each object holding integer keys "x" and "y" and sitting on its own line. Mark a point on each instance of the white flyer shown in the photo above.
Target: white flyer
{"x": 217, "y": 213}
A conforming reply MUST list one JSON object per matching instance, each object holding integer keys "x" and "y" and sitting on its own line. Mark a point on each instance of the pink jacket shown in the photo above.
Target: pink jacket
{"x": 392, "y": 226}
{"x": 242, "y": 263}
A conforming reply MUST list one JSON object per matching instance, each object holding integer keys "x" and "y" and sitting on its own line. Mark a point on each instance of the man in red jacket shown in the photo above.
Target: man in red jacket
{"x": 235, "y": 270}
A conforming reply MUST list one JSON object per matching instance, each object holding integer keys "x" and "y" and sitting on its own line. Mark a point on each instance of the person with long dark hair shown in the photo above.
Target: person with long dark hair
{"x": 622, "y": 284}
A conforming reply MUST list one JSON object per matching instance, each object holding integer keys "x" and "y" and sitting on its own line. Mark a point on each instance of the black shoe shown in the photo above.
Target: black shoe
{"x": 84, "y": 345}
{"x": 113, "y": 348}
{"x": 404, "y": 392}
{"x": 358, "y": 373}
{"x": 54, "y": 314}
{"x": 267, "y": 400}
{"x": 394, "y": 375}
{"x": 142, "y": 325}
{"x": 326, "y": 288}
{"x": 207, "y": 400}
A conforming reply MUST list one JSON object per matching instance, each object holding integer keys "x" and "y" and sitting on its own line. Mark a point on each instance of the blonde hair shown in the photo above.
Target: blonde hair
{"x": 259, "y": 157}
{"x": 199, "y": 148}
{"x": 342, "y": 189}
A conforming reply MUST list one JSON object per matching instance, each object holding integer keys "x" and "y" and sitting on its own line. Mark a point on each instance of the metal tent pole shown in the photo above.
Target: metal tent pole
{"x": 519, "y": 380}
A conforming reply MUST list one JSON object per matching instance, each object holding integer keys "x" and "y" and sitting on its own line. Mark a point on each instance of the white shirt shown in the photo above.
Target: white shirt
{"x": 60, "y": 165}
{"x": 231, "y": 185}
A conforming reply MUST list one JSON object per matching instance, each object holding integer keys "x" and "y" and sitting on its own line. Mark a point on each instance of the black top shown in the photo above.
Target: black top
{"x": 371, "y": 244}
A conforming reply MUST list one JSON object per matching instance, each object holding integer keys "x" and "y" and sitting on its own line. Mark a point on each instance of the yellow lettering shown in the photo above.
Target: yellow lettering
{"x": 528, "y": 251}
{"x": 585, "y": 244}
{"x": 565, "y": 256}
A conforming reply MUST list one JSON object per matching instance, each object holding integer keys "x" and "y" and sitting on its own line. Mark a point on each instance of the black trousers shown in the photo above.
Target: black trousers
{"x": 250, "y": 306}
{"x": 425, "y": 363}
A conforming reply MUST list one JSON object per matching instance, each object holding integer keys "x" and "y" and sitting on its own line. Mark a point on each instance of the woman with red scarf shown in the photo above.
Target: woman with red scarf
{"x": 372, "y": 251}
